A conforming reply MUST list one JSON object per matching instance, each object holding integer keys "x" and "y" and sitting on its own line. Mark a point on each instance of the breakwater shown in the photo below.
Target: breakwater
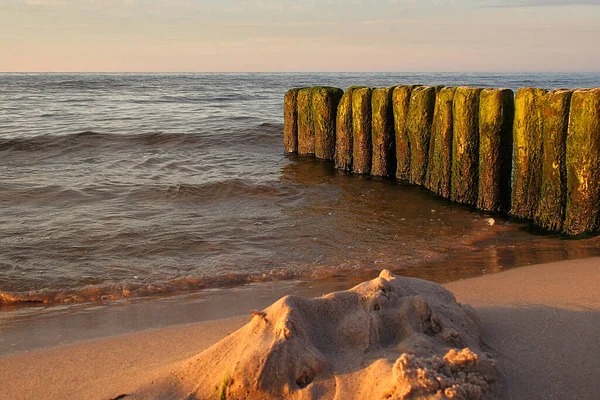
{"x": 533, "y": 154}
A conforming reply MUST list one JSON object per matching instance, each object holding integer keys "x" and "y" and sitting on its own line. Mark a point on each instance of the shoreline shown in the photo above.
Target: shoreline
{"x": 529, "y": 316}
{"x": 60, "y": 326}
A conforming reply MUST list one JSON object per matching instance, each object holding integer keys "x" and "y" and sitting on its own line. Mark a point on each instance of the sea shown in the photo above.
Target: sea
{"x": 138, "y": 186}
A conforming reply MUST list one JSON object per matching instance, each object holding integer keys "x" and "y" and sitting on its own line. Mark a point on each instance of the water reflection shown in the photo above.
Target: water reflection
{"x": 360, "y": 225}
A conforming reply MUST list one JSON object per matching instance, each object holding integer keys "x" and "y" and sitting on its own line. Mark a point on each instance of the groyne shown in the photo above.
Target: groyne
{"x": 533, "y": 154}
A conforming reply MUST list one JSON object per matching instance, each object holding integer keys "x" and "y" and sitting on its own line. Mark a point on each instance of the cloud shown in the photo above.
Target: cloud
{"x": 538, "y": 3}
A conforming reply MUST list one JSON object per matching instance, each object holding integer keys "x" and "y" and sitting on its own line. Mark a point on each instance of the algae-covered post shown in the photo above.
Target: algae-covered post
{"x": 382, "y": 133}
{"x": 401, "y": 101}
{"x": 324, "y": 108}
{"x": 583, "y": 164}
{"x": 465, "y": 146}
{"x": 553, "y": 191}
{"x": 361, "y": 131}
{"x": 440, "y": 145}
{"x": 418, "y": 128}
{"x": 290, "y": 121}
{"x": 527, "y": 152}
{"x": 534, "y": 155}
{"x": 496, "y": 114}
{"x": 343, "y": 136}
{"x": 306, "y": 129}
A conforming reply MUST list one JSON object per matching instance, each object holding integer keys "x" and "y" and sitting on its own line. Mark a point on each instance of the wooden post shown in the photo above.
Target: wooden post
{"x": 290, "y": 121}
{"x": 382, "y": 133}
{"x": 583, "y": 164}
{"x": 306, "y": 130}
{"x": 361, "y": 131}
{"x": 324, "y": 108}
{"x": 527, "y": 153}
{"x": 465, "y": 146}
{"x": 401, "y": 102}
{"x": 418, "y": 127}
{"x": 496, "y": 115}
{"x": 343, "y": 137}
{"x": 555, "y": 107}
{"x": 440, "y": 145}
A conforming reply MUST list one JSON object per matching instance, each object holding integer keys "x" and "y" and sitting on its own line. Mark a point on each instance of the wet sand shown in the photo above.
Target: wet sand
{"x": 541, "y": 322}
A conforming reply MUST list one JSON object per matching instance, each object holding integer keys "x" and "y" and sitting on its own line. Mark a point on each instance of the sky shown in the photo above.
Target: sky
{"x": 298, "y": 36}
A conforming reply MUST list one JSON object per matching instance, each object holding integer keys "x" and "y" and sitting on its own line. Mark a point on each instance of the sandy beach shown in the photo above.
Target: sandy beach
{"x": 299, "y": 200}
{"x": 540, "y": 322}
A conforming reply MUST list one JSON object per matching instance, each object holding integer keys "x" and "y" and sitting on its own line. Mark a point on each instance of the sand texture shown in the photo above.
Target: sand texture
{"x": 540, "y": 322}
{"x": 389, "y": 338}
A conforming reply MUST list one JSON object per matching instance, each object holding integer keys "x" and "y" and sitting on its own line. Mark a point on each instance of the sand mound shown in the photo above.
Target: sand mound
{"x": 389, "y": 338}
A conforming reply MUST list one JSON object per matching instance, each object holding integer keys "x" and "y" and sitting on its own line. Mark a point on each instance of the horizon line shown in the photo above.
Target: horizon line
{"x": 300, "y": 72}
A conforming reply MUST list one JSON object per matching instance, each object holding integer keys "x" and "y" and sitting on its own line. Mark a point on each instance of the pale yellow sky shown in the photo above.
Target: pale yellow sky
{"x": 288, "y": 35}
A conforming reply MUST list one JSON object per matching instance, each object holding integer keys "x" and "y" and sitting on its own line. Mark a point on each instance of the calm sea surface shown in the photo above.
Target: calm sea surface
{"x": 129, "y": 185}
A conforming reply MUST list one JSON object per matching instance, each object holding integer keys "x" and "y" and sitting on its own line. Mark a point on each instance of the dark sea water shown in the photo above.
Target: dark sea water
{"x": 129, "y": 185}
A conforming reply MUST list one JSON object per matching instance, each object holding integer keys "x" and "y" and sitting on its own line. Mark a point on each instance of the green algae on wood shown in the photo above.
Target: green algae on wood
{"x": 440, "y": 145}
{"x": 527, "y": 152}
{"x": 583, "y": 164}
{"x": 306, "y": 130}
{"x": 465, "y": 146}
{"x": 361, "y": 131}
{"x": 555, "y": 107}
{"x": 325, "y": 102}
{"x": 400, "y": 104}
{"x": 382, "y": 133}
{"x": 418, "y": 128}
{"x": 343, "y": 136}
{"x": 496, "y": 114}
{"x": 290, "y": 121}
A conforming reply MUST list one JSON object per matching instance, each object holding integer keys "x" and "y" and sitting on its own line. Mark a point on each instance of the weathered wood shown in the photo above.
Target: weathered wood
{"x": 496, "y": 115}
{"x": 555, "y": 107}
{"x": 290, "y": 121}
{"x": 324, "y": 107}
{"x": 401, "y": 102}
{"x": 361, "y": 131}
{"x": 343, "y": 137}
{"x": 440, "y": 145}
{"x": 418, "y": 128}
{"x": 583, "y": 164}
{"x": 527, "y": 152}
{"x": 382, "y": 133}
{"x": 306, "y": 129}
{"x": 465, "y": 146}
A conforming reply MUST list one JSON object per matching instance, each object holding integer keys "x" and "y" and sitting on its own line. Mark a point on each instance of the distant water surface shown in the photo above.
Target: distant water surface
{"x": 127, "y": 185}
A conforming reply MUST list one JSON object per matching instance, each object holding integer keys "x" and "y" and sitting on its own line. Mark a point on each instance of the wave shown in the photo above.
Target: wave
{"x": 46, "y": 142}
{"x": 223, "y": 190}
{"x": 263, "y": 133}
{"x": 118, "y": 291}
{"x": 196, "y": 193}
{"x": 206, "y": 99}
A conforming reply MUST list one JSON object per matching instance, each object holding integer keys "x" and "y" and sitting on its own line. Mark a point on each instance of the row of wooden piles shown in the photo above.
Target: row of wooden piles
{"x": 534, "y": 155}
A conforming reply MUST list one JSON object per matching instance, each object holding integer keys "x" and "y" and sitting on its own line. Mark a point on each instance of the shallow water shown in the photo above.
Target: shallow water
{"x": 121, "y": 185}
